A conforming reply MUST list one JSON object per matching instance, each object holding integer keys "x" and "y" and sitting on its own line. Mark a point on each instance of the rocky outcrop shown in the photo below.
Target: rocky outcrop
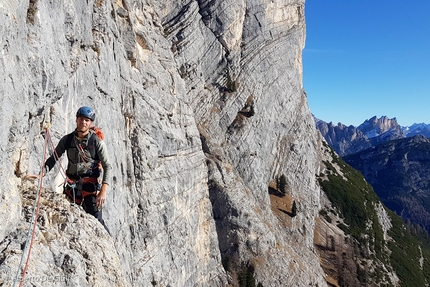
{"x": 202, "y": 106}
{"x": 70, "y": 249}
{"x": 381, "y": 129}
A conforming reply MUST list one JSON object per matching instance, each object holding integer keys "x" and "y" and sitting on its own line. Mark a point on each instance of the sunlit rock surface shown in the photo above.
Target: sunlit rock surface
{"x": 202, "y": 107}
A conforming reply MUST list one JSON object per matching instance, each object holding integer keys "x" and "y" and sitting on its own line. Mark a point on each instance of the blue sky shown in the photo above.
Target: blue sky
{"x": 368, "y": 58}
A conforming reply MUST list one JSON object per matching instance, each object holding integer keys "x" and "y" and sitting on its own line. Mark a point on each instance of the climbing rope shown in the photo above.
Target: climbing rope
{"x": 33, "y": 222}
{"x": 48, "y": 134}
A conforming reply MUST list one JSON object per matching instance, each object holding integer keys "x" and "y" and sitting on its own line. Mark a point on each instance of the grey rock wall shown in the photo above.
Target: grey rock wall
{"x": 202, "y": 106}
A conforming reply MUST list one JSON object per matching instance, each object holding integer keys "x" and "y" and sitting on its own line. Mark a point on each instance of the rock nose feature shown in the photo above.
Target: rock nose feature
{"x": 202, "y": 107}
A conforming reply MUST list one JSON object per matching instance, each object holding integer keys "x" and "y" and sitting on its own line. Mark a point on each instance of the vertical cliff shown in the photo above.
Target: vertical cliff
{"x": 202, "y": 106}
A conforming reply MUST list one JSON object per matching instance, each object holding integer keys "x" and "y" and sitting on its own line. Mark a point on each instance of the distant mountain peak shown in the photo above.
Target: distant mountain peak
{"x": 417, "y": 129}
{"x": 350, "y": 139}
{"x": 375, "y": 127}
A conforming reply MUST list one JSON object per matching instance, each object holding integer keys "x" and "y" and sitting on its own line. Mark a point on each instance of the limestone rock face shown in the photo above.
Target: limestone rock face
{"x": 202, "y": 107}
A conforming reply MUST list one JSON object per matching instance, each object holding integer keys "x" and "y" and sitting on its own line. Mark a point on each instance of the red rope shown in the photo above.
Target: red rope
{"x": 24, "y": 271}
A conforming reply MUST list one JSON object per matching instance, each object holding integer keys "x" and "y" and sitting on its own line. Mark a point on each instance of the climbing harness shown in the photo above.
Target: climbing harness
{"x": 73, "y": 188}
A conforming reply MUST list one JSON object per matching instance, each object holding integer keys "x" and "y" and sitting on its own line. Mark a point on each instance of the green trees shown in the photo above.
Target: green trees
{"x": 281, "y": 191}
{"x": 294, "y": 209}
{"x": 281, "y": 184}
{"x": 246, "y": 277}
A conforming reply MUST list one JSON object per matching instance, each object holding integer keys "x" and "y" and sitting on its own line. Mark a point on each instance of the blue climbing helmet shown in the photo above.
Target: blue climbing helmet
{"x": 86, "y": 112}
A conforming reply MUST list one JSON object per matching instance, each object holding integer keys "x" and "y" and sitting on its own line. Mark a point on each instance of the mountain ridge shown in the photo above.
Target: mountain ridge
{"x": 398, "y": 171}
{"x": 350, "y": 139}
{"x": 393, "y": 159}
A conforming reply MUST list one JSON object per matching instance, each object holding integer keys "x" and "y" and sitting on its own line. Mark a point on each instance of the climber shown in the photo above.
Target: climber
{"x": 85, "y": 150}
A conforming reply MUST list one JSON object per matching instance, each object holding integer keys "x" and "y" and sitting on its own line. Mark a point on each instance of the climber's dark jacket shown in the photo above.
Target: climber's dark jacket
{"x": 80, "y": 162}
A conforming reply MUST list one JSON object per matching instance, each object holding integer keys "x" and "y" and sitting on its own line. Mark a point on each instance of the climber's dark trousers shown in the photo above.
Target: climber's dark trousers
{"x": 90, "y": 206}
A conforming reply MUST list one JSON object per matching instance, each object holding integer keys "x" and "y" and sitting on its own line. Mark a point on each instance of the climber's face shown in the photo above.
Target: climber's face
{"x": 83, "y": 125}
